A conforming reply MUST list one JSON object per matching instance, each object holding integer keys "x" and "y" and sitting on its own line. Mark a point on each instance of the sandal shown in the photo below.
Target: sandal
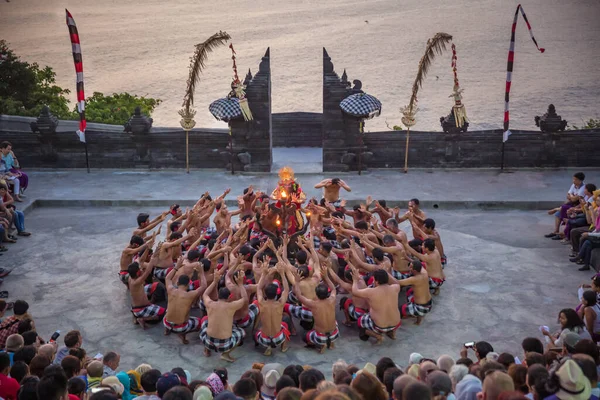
{"x": 9, "y": 240}
{"x": 23, "y": 233}
{"x": 13, "y": 237}
{"x": 4, "y": 294}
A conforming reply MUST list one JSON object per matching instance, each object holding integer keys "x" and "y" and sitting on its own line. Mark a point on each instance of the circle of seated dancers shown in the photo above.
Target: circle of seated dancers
{"x": 285, "y": 263}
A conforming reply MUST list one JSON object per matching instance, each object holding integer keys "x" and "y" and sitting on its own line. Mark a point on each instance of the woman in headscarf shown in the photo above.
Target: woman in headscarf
{"x": 215, "y": 383}
{"x": 124, "y": 379}
{"x": 135, "y": 381}
{"x": 203, "y": 393}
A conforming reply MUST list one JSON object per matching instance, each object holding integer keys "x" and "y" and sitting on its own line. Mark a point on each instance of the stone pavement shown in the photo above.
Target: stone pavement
{"x": 449, "y": 189}
{"x": 504, "y": 279}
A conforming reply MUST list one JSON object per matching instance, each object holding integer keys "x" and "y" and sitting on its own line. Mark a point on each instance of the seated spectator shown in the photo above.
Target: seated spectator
{"x": 28, "y": 389}
{"x": 389, "y": 377}
{"x": 339, "y": 365}
{"x": 343, "y": 378}
{"x": 48, "y": 350}
{"x": 10, "y": 325}
{"x": 148, "y": 382}
{"x": 11, "y": 162}
{"x": 11, "y": 179}
{"x": 53, "y": 384}
{"x": 576, "y": 216}
{"x": 589, "y": 312}
{"x": 416, "y": 391}
{"x": 588, "y": 367}
{"x": 569, "y": 322}
{"x": 31, "y": 338}
{"x": 568, "y": 382}
{"x": 441, "y": 385}
{"x": 368, "y": 386}
{"x": 518, "y": 374}
{"x": 537, "y": 376}
{"x": 496, "y": 383}
{"x": 468, "y": 388}
{"x": 8, "y": 386}
{"x": 288, "y": 394}
{"x": 548, "y": 359}
{"x": 575, "y": 192}
{"x": 111, "y": 362}
{"x": 72, "y": 340}
{"x": 383, "y": 364}
{"x": 26, "y": 354}
{"x": 14, "y": 343}
{"x": 457, "y": 373}
{"x": 294, "y": 371}
{"x": 38, "y": 365}
{"x": 286, "y": 381}
{"x": 506, "y": 360}
{"x": 76, "y": 387}
{"x": 532, "y": 344}
{"x": 114, "y": 383}
{"x": 16, "y": 216}
{"x": 481, "y": 350}
{"x": 201, "y": 393}
{"x": 179, "y": 393}
{"x": 309, "y": 379}
{"x": 166, "y": 382}
{"x": 588, "y": 241}
{"x": 445, "y": 363}
{"x": 400, "y": 383}
{"x": 71, "y": 366}
{"x": 271, "y": 374}
{"x": 94, "y": 374}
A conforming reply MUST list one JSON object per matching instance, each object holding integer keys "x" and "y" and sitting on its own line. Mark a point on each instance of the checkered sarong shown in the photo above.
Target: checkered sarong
{"x": 366, "y": 322}
{"x": 249, "y": 319}
{"x": 322, "y": 339}
{"x": 444, "y": 261}
{"x": 150, "y": 288}
{"x": 124, "y": 277}
{"x": 192, "y": 324}
{"x": 161, "y": 273}
{"x": 225, "y": 109}
{"x": 414, "y": 309}
{"x": 401, "y": 275}
{"x": 361, "y": 105}
{"x": 435, "y": 283}
{"x": 148, "y": 311}
{"x": 292, "y": 299}
{"x": 302, "y": 313}
{"x": 268, "y": 341}
{"x": 353, "y": 312}
{"x": 221, "y": 345}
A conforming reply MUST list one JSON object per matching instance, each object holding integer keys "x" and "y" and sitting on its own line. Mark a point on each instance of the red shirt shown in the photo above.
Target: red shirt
{"x": 8, "y": 387}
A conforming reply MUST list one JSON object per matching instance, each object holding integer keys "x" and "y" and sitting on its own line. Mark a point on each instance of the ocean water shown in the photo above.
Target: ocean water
{"x": 143, "y": 47}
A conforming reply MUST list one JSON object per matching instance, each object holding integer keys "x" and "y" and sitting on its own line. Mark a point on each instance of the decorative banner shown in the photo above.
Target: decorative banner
{"x": 509, "y": 67}
{"x": 77, "y": 59}
{"x": 460, "y": 112}
{"x": 237, "y": 90}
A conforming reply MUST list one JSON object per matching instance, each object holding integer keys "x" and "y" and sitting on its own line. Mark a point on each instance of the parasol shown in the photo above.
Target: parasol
{"x": 225, "y": 109}
{"x": 362, "y": 106}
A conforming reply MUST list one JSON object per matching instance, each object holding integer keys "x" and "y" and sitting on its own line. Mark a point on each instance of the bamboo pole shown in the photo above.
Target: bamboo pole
{"x": 231, "y": 149}
{"x": 187, "y": 151}
{"x": 406, "y": 150}
{"x": 360, "y": 143}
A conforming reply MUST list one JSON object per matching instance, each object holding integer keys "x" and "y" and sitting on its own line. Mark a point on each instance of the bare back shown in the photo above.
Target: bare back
{"x": 434, "y": 265}
{"x": 324, "y": 314}
{"x": 136, "y": 290}
{"x": 180, "y": 304}
{"x": 271, "y": 313}
{"x": 383, "y": 305}
{"x": 220, "y": 318}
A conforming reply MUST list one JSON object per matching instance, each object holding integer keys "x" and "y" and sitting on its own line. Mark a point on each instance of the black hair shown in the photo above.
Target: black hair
{"x": 5, "y": 144}
{"x": 247, "y": 250}
{"x": 19, "y": 370}
{"x": 415, "y": 201}
{"x": 4, "y": 361}
{"x": 590, "y": 298}
{"x": 506, "y": 359}
{"x": 25, "y": 326}
{"x": 179, "y": 372}
{"x": 429, "y": 223}
{"x": 193, "y": 255}
{"x": 246, "y": 190}
{"x": 29, "y": 337}
{"x": 382, "y": 203}
{"x": 26, "y": 354}
{"x": 532, "y": 344}
{"x": 149, "y": 379}
{"x": 245, "y": 388}
{"x": 590, "y": 187}
{"x": 53, "y": 384}
{"x": 356, "y": 207}
{"x": 322, "y": 291}
{"x": 389, "y": 376}
{"x": 388, "y": 239}
{"x": 329, "y": 234}
{"x": 335, "y": 181}
{"x": 20, "y": 307}
{"x": 301, "y": 257}
{"x": 133, "y": 269}
{"x": 178, "y": 393}
{"x": 205, "y": 264}
{"x": 135, "y": 239}
{"x": 303, "y": 271}
{"x": 416, "y": 265}
{"x": 309, "y": 379}
{"x": 183, "y": 280}
{"x": 579, "y": 175}
{"x": 383, "y": 364}
{"x": 415, "y": 243}
{"x": 76, "y": 385}
{"x": 338, "y": 214}
{"x": 378, "y": 254}
{"x": 28, "y": 389}
{"x": 573, "y": 320}
{"x": 483, "y": 348}
{"x": 381, "y": 277}
{"x": 224, "y": 293}
{"x": 362, "y": 225}
{"x": 283, "y": 382}
{"x": 429, "y": 244}
{"x": 175, "y": 226}
{"x": 142, "y": 217}
{"x": 175, "y": 236}
{"x": 294, "y": 371}
{"x": 271, "y": 291}
{"x": 327, "y": 247}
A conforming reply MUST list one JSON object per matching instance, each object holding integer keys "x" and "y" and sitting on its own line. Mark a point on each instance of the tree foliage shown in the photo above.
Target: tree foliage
{"x": 25, "y": 88}
{"x": 590, "y": 124}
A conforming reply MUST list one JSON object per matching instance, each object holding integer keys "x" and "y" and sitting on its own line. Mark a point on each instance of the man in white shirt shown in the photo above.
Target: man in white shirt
{"x": 560, "y": 213}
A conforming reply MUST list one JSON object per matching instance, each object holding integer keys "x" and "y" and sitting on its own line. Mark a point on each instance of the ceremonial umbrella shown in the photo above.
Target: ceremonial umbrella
{"x": 362, "y": 106}
{"x": 226, "y": 109}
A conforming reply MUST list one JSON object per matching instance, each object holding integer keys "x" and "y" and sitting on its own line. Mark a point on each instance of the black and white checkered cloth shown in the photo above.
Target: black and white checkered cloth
{"x": 361, "y": 105}
{"x": 225, "y": 109}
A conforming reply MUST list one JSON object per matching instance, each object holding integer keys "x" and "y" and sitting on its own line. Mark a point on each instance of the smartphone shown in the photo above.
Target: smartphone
{"x": 469, "y": 344}
{"x": 98, "y": 356}
{"x": 55, "y": 336}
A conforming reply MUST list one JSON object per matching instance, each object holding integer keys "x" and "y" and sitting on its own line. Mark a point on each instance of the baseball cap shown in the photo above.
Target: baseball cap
{"x": 166, "y": 382}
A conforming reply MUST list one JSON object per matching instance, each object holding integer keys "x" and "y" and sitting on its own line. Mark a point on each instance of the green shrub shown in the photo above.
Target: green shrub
{"x": 116, "y": 109}
{"x": 591, "y": 124}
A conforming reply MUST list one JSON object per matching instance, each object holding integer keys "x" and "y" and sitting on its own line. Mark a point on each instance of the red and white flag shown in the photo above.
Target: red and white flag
{"x": 77, "y": 59}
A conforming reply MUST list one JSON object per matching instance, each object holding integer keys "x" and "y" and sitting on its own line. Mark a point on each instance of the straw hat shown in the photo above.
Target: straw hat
{"x": 573, "y": 385}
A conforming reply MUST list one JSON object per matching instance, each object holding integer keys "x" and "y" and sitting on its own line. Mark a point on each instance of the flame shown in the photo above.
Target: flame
{"x": 278, "y": 222}
{"x": 283, "y": 194}
{"x": 308, "y": 214}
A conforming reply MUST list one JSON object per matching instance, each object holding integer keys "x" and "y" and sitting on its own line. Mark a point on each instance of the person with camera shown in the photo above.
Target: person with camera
{"x": 481, "y": 350}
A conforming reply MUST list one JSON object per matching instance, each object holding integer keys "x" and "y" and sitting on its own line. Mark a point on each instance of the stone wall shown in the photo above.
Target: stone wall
{"x": 252, "y": 139}
{"x": 113, "y": 149}
{"x": 482, "y": 149}
{"x": 297, "y": 129}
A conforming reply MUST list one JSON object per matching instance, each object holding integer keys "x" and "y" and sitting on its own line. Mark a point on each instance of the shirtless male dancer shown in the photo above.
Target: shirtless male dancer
{"x": 273, "y": 332}
{"x": 415, "y": 211}
{"x": 353, "y": 307}
{"x": 177, "y": 318}
{"x": 136, "y": 246}
{"x": 383, "y": 316}
{"x": 331, "y": 190}
{"x": 141, "y": 308}
{"x": 433, "y": 261}
{"x": 145, "y": 225}
{"x": 429, "y": 232}
{"x": 419, "y": 300}
{"x": 217, "y": 332}
{"x": 169, "y": 252}
{"x": 400, "y": 269}
{"x": 325, "y": 331}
